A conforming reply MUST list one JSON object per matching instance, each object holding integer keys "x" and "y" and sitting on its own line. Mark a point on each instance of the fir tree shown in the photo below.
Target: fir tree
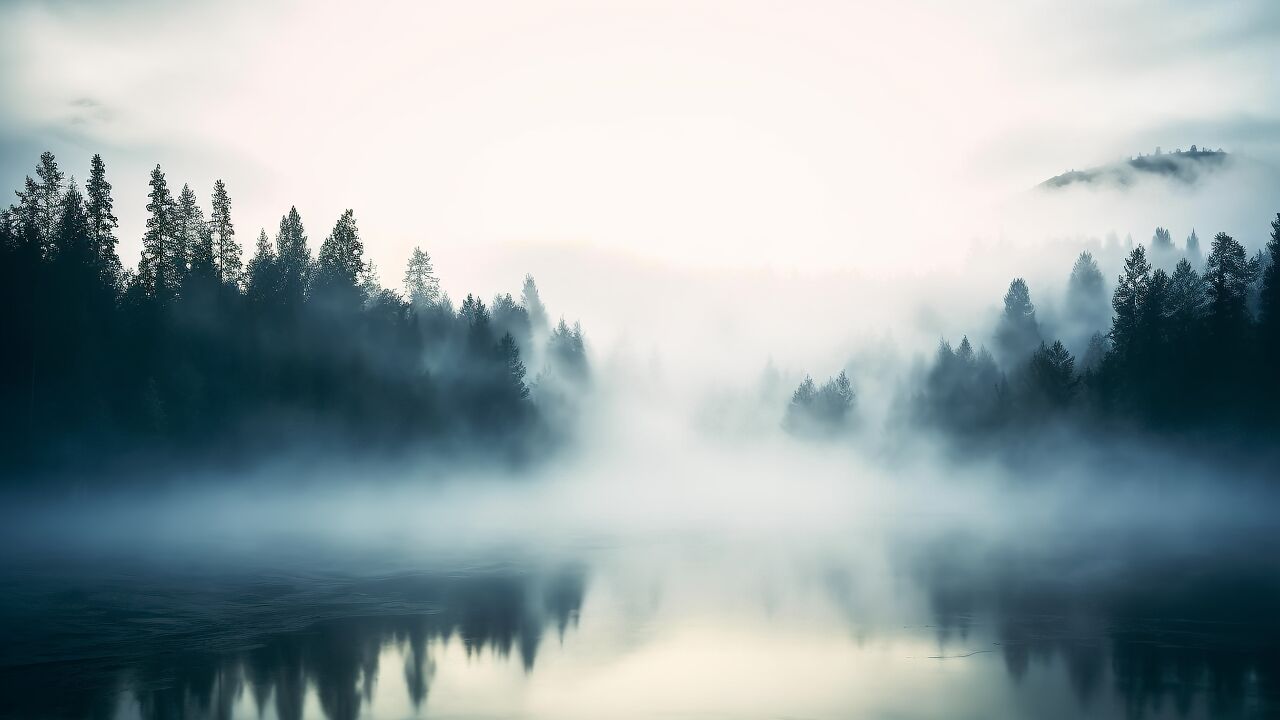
{"x": 341, "y": 260}
{"x": 1052, "y": 374}
{"x": 72, "y": 243}
{"x": 262, "y": 281}
{"x": 26, "y": 219}
{"x": 1127, "y": 301}
{"x": 1162, "y": 251}
{"x": 293, "y": 261}
{"x": 99, "y": 208}
{"x": 1018, "y": 332}
{"x": 1227, "y": 276}
{"x": 160, "y": 268}
{"x": 196, "y": 243}
{"x": 420, "y": 283}
{"x": 48, "y": 199}
{"x": 532, "y": 302}
{"x": 1185, "y": 297}
{"x": 226, "y": 251}
{"x": 1194, "y": 254}
{"x": 1269, "y": 299}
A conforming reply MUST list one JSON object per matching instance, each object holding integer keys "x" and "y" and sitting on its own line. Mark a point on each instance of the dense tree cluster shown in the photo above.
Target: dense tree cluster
{"x": 820, "y": 411}
{"x": 1190, "y": 349}
{"x": 197, "y": 352}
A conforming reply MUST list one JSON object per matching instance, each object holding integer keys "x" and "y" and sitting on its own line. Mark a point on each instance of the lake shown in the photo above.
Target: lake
{"x": 919, "y": 624}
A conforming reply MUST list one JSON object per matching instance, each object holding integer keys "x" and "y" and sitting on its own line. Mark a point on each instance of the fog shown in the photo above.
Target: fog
{"x": 781, "y": 429}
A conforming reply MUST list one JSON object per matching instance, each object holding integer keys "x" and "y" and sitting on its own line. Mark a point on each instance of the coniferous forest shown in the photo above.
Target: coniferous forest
{"x": 1184, "y": 347}
{"x": 209, "y": 351}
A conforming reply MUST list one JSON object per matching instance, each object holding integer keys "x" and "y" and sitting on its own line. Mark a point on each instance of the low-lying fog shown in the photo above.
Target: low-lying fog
{"x": 684, "y": 554}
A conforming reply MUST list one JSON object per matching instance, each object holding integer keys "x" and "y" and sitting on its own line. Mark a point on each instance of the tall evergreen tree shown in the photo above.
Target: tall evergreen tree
{"x": 1227, "y": 276}
{"x": 532, "y": 302}
{"x": 340, "y": 262}
{"x": 1127, "y": 302}
{"x": 161, "y": 265}
{"x": 197, "y": 245}
{"x": 1193, "y": 253}
{"x": 48, "y": 199}
{"x": 1269, "y": 299}
{"x": 99, "y": 207}
{"x": 262, "y": 281}
{"x": 71, "y": 240}
{"x": 26, "y": 219}
{"x": 1162, "y": 250}
{"x": 420, "y": 283}
{"x": 1018, "y": 332}
{"x": 1185, "y": 297}
{"x": 226, "y": 251}
{"x": 1087, "y": 306}
{"x": 293, "y": 260}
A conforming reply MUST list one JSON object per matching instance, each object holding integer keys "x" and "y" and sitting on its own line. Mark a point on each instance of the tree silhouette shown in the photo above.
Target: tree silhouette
{"x": 162, "y": 261}
{"x": 293, "y": 262}
{"x": 1018, "y": 332}
{"x": 184, "y": 360}
{"x": 99, "y": 208}
{"x": 222, "y": 235}
{"x": 1227, "y": 276}
{"x": 420, "y": 282}
{"x": 340, "y": 263}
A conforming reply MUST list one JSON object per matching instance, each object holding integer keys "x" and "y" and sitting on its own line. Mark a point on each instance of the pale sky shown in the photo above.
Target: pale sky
{"x": 861, "y": 136}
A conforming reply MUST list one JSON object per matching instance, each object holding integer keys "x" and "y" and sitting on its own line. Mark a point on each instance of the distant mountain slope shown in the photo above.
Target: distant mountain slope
{"x": 1185, "y": 166}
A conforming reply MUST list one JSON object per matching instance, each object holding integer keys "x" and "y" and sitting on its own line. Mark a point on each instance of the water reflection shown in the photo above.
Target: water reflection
{"x": 1189, "y": 632}
{"x": 932, "y": 629}
{"x": 132, "y": 660}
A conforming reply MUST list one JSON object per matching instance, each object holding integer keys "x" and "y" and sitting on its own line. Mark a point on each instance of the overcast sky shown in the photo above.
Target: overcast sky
{"x": 695, "y": 134}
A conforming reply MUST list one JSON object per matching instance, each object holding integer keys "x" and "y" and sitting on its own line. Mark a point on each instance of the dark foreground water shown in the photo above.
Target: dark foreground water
{"x": 941, "y": 626}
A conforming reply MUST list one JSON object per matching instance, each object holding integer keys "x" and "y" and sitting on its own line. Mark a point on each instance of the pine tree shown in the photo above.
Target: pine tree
{"x": 102, "y": 223}
{"x": 341, "y": 260}
{"x": 1227, "y": 276}
{"x": 1194, "y": 254}
{"x": 71, "y": 244}
{"x": 262, "y": 281}
{"x": 26, "y": 219}
{"x": 567, "y": 352}
{"x": 1185, "y": 297}
{"x": 1086, "y": 297}
{"x": 1127, "y": 302}
{"x": 802, "y": 401}
{"x": 8, "y": 230}
{"x": 1269, "y": 299}
{"x": 1153, "y": 316}
{"x": 226, "y": 251}
{"x": 160, "y": 267}
{"x": 532, "y": 302}
{"x": 1162, "y": 247}
{"x": 420, "y": 283}
{"x": 196, "y": 243}
{"x": 1018, "y": 332}
{"x": 834, "y": 402}
{"x": 1052, "y": 374}
{"x": 48, "y": 199}
{"x": 293, "y": 261}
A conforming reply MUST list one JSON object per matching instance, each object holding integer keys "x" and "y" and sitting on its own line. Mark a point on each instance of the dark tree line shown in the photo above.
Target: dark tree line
{"x": 1186, "y": 351}
{"x": 198, "y": 352}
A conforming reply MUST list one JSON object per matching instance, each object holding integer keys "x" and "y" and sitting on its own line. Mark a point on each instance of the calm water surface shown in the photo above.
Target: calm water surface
{"x": 934, "y": 627}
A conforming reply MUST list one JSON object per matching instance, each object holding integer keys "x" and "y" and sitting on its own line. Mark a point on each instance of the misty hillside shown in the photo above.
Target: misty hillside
{"x": 1183, "y": 166}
